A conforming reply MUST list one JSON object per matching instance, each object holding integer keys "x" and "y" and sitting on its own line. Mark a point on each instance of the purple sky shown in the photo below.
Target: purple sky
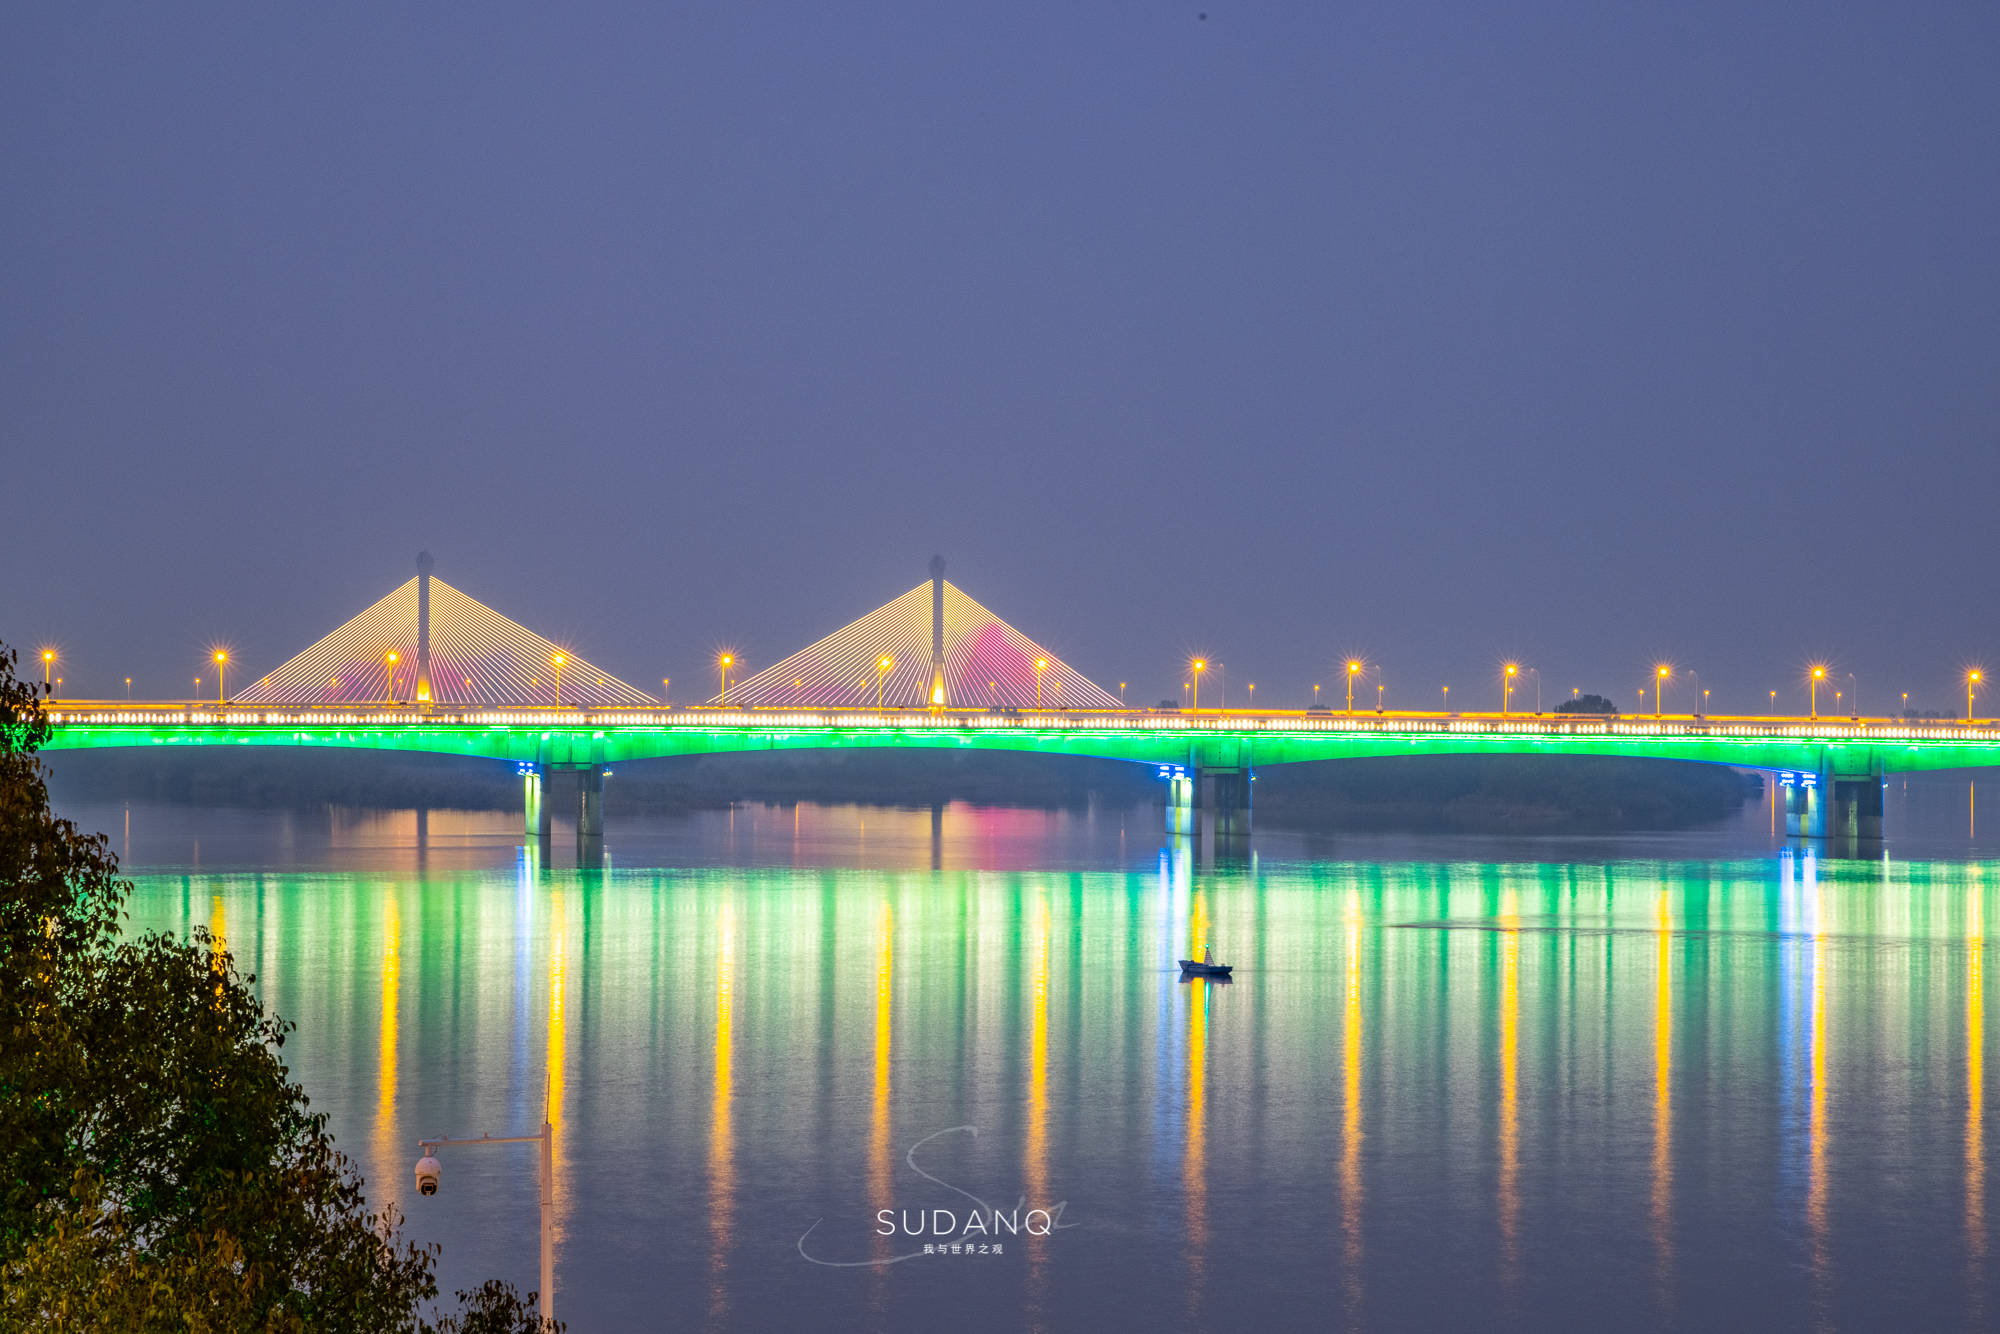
{"x": 1584, "y": 334}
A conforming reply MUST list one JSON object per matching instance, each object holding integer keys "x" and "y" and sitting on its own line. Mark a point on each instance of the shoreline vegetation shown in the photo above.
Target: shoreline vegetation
{"x": 1428, "y": 794}
{"x": 160, "y": 1170}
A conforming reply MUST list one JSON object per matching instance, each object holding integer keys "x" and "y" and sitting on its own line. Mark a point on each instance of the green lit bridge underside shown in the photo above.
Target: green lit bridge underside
{"x": 1823, "y": 746}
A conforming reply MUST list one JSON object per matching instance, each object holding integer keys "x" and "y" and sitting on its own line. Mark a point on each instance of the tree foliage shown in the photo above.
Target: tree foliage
{"x": 159, "y": 1169}
{"x": 1592, "y": 704}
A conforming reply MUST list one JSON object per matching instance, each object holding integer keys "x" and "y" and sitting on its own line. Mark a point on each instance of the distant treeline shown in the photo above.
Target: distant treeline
{"x": 1482, "y": 793}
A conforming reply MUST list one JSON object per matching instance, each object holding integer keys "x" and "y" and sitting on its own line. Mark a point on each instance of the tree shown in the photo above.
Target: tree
{"x": 1593, "y": 704}
{"x": 158, "y": 1167}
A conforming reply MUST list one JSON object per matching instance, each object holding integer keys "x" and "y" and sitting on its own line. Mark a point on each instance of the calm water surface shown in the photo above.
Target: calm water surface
{"x": 1696, "y": 1081}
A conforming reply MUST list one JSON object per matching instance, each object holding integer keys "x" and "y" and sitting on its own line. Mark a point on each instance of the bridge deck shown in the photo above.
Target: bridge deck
{"x": 565, "y": 736}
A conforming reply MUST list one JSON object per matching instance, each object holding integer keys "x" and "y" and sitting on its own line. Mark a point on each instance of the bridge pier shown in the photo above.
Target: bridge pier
{"x": 550, "y": 785}
{"x": 1842, "y": 800}
{"x": 1225, "y": 794}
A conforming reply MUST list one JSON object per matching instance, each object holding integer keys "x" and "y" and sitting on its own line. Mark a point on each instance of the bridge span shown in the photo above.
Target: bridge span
{"x": 1830, "y": 770}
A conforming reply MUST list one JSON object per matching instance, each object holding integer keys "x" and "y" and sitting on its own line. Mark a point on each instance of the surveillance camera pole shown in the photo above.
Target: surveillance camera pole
{"x": 548, "y": 1183}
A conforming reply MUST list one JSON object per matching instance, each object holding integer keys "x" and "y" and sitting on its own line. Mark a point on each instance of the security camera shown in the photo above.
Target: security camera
{"x": 428, "y": 1171}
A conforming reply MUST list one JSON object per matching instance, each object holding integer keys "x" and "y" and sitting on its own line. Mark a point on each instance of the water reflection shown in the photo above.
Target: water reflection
{"x": 721, "y": 1146}
{"x": 1510, "y": 1090}
{"x": 1194, "y": 1169}
{"x": 1975, "y": 1100}
{"x": 1223, "y": 1159}
{"x": 1663, "y": 1098}
{"x": 1350, "y": 1127}
{"x": 1036, "y": 1156}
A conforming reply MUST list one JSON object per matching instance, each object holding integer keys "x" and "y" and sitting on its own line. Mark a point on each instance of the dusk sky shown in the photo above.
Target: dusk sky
{"x": 1588, "y": 335}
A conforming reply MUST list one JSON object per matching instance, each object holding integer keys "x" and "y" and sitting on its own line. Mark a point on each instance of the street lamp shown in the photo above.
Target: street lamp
{"x": 1253, "y": 696}
{"x": 1818, "y": 675}
{"x": 556, "y": 660}
{"x": 48, "y": 661}
{"x": 1447, "y": 699}
{"x": 1972, "y": 680}
{"x": 221, "y": 674}
{"x": 128, "y": 690}
{"x": 1536, "y": 672}
{"x": 1774, "y": 702}
{"x": 1041, "y": 665}
{"x": 1507, "y": 686}
{"x": 390, "y": 657}
{"x": 1200, "y": 666}
{"x": 1353, "y": 668}
{"x": 1121, "y": 694}
{"x": 430, "y": 1173}
{"x": 1378, "y": 694}
{"x": 1661, "y": 674}
{"x": 1315, "y": 694}
{"x": 882, "y": 667}
{"x": 722, "y": 666}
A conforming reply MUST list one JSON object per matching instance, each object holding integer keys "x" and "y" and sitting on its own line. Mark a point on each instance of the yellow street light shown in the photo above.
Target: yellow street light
{"x": 1253, "y": 695}
{"x": 1818, "y": 675}
{"x": 221, "y": 674}
{"x": 1121, "y": 694}
{"x": 1315, "y": 694}
{"x": 1972, "y": 680}
{"x": 1200, "y": 665}
{"x": 1661, "y": 675}
{"x": 1447, "y": 699}
{"x": 390, "y": 657}
{"x": 1353, "y": 668}
{"x": 1378, "y": 697}
{"x": 1041, "y": 665}
{"x": 722, "y": 666}
{"x": 48, "y": 660}
{"x": 128, "y": 689}
{"x": 1506, "y": 686}
{"x": 882, "y": 667}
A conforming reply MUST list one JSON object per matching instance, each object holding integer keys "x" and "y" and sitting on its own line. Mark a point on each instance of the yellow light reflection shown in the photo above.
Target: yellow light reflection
{"x": 1037, "y": 1166}
{"x": 385, "y": 1080}
{"x": 1663, "y": 1095}
{"x": 1510, "y": 1088}
{"x": 1194, "y": 1172}
{"x": 1350, "y": 1154}
{"x": 1816, "y": 1220}
{"x": 218, "y": 943}
{"x": 558, "y": 982}
{"x": 1975, "y": 1100}
{"x": 721, "y": 1146}
{"x": 878, "y": 1126}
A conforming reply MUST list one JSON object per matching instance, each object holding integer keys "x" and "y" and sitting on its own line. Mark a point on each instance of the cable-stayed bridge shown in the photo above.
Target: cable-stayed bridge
{"x": 429, "y": 668}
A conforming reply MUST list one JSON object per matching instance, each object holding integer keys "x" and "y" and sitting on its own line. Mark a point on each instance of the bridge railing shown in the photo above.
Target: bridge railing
{"x": 188, "y": 715}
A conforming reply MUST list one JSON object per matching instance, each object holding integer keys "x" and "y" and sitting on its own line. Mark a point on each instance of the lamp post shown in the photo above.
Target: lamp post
{"x": 1774, "y": 702}
{"x": 128, "y": 690}
{"x": 1507, "y": 687}
{"x": 1253, "y": 697}
{"x": 1660, "y": 675}
{"x": 48, "y": 661}
{"x": 722, "y": 666}
{"x": 1818, "y": 675}
{"x": 1041, "y": 665}
{"x": 1121, "y": 694}
{"x": 1536, "y": 672}
{"x": 1972, "y": 680}
{"x": 221, "y": 674}
{"x": 882, "y": 666}
{"x": 1353, "y": 667}
{"x": 666, "y": 687}
{"x": 1315, "y": 694}
{"x": 1697, "y": 685}
{"x": 1447, "y": 699}
{"x": 1200, "y": 666}
{"x": 429, "y": 1173}
{"x": 390, "y": 658}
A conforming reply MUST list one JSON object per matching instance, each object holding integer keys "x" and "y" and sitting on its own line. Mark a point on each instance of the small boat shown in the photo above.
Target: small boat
{"x": 1204, "y": 966}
